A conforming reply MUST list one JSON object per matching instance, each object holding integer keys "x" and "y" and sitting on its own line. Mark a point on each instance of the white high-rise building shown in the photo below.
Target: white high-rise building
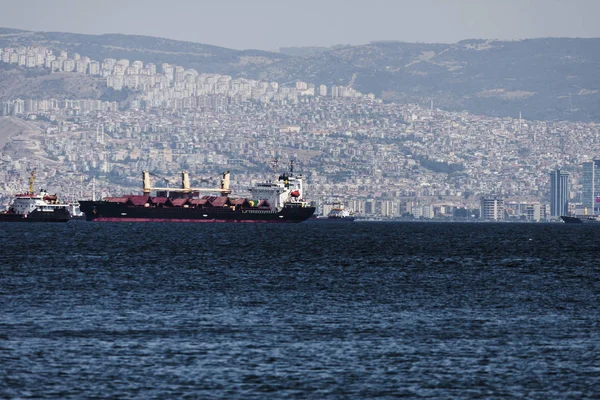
{"x": 94, "y": 68}
{"x": 492, "y": 208}
{"x": 179, "y": 74}
{"x": 56, "y": 65}
{"x": 80, "y": 66}
{"x": 109, "y": 64}
{"x": 49, "y": 59}
{"x": 119, "y": 69}
{"x": 30, "y": 61}
{"x": 168, "y": 71}
{"x": 322, "y": 90}
{"x": 124, "y": 62}
{"x": 18, "y": 107}
{"x": 69, "y": 65}
{"x": 334, "y": 91}
{"x": 7, "y": 107}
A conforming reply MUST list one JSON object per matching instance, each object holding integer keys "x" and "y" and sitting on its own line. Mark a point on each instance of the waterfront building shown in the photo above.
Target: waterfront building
{"x": 559, "y": 193}
{"x": 492, "y": 208}
{"x": 590, "y": 197}
{"x": 535, "y": 212}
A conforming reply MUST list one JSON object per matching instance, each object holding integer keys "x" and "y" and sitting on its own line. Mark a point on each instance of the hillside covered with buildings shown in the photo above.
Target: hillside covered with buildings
{"x": 380, "y": 158}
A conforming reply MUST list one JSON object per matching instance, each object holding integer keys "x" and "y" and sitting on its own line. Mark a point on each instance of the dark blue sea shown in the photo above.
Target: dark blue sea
{"x": 364, "y": 310}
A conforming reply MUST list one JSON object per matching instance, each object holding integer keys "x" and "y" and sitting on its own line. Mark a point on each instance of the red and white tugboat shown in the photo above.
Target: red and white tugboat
{"x": 41, "y": 207}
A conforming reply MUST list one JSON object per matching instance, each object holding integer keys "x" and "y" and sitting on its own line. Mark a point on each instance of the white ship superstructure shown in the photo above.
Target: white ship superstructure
{"x": 24, "y": 204}
{"x": 287, "y": 190}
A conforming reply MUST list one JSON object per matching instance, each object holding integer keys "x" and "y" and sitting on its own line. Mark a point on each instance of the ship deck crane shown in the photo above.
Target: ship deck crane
{"x": 31, "y": 180}
{"x": 185, "y": 185}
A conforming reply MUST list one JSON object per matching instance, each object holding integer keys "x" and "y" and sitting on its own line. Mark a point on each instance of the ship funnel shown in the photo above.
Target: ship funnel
{"x": 225, "y": 181}
{"x": 146, "y": 182}
{"x": 185, "y": 182}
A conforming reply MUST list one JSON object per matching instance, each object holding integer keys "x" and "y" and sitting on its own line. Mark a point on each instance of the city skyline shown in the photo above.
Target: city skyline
{"x": 269, "y": 25}
{"x": 173, "y": 122}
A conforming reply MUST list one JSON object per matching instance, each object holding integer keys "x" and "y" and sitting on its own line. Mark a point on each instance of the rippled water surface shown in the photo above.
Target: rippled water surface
{"x": 315, "y": 311}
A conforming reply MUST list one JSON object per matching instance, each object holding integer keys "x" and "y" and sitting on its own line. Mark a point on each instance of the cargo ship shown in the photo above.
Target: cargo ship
{"x": 275, "y": 201}
{"x": 582, "y": 219}
{"x": 32, "y": 207}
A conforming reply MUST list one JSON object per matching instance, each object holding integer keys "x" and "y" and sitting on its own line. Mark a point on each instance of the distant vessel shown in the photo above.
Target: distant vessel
{"x": 278, "y": 201}
{"x": 41, "y": 207}
{"x": 582, "y": 219}
{"x": 337, "y": 214}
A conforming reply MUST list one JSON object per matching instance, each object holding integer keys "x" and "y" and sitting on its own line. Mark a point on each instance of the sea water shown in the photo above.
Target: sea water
{"x": 304, "y": 311}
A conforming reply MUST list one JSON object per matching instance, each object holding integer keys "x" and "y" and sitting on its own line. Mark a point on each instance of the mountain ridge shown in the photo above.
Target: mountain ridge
{"x": 543, "y": 78}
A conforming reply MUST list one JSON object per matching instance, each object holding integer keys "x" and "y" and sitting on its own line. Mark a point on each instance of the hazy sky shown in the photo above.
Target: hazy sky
{"x": 270, "y": 24}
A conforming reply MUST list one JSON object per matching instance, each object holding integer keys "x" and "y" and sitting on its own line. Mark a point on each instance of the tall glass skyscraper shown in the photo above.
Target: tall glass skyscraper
{"x": 591, "y": 186}
{"x": 559, "y": 193}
